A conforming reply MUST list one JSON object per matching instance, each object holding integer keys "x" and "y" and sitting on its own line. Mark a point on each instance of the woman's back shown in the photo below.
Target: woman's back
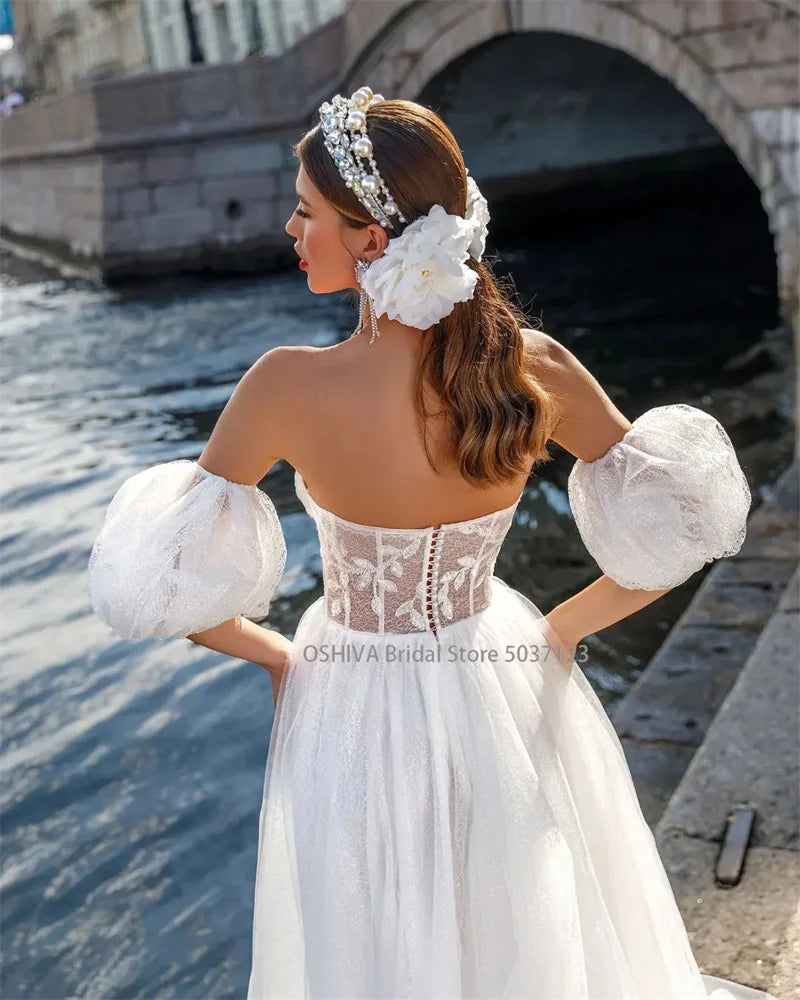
{"x": 357, "y": 444}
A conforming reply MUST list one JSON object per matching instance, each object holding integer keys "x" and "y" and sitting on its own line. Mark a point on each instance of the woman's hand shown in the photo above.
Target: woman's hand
{"x": 280, "y": 651}
{"x": 562, "y": 647}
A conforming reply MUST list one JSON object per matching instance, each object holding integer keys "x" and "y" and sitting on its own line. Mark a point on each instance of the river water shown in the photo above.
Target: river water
{"x": 133, "y": 770}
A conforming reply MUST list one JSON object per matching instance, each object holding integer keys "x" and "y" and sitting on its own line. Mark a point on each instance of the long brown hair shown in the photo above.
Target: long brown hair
{"x": 500, "y": 415}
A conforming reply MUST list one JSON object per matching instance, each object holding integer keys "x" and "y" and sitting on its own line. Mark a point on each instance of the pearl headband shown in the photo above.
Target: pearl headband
{"x": 344, "y": 123}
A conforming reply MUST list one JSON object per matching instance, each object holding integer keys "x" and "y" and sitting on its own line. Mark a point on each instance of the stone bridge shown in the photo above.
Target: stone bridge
{"x": 735, "y": 60}
{"x": 193, "y": 166}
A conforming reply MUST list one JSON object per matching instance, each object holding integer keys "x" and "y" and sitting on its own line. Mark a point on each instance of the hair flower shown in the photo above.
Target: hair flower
{"x": 423, "y": 271}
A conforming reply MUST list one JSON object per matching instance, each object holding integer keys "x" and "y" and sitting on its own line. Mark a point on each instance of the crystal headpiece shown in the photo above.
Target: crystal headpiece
{"x": 344, "y": 125}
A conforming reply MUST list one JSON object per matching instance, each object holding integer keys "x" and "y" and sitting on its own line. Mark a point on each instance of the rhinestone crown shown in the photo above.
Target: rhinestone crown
{"x": 344, "y": 124}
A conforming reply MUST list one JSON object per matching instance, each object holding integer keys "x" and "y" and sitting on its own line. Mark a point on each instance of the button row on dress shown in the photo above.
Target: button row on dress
{"x": 428, "y": 588}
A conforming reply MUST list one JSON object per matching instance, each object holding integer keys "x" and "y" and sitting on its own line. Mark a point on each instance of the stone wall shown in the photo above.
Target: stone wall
{"x": 167, "y": 171}
{"x": 735, "y": 60}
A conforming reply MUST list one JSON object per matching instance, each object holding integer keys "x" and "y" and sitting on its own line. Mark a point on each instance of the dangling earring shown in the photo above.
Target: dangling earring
{"x": 365, "y": 301}
{"x": 362, "y": 302}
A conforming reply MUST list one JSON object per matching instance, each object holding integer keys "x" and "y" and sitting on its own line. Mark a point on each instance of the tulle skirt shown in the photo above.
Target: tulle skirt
{"x": 453, "y": 816}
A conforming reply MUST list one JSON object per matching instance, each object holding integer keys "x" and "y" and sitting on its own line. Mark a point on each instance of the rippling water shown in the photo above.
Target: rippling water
{"x": 133, "y": 770}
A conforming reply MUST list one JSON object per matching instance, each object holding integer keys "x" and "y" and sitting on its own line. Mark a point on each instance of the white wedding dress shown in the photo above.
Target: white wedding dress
{"x": 447, "y": 810}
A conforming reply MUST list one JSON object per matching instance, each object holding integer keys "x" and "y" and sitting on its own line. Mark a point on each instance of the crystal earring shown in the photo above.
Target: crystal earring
{"x": 365, "y": 301}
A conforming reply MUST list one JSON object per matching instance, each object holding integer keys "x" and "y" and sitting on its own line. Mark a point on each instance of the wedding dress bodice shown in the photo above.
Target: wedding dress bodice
{"x": 406, "y": 579}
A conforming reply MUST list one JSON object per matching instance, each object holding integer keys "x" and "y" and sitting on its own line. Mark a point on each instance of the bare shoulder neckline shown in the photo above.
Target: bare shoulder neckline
{"x": 303, "y": 493}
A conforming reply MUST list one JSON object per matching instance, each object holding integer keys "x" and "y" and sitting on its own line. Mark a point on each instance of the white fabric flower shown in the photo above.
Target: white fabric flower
{"x": 423, "y": 271}
{"x": 478, "y": 214}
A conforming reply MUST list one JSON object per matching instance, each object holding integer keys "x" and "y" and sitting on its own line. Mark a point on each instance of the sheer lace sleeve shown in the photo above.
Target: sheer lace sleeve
{"x": 182, "y": 550}
{"x": 667, "y": 498}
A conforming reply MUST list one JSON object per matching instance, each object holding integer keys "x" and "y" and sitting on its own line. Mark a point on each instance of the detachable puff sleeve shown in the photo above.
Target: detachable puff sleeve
{"x": 182, "y": 550}
{"x": 667, "y": 498}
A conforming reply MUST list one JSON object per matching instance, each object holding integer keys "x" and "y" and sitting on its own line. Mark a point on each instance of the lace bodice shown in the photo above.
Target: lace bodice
{"x": 406, "y": 579}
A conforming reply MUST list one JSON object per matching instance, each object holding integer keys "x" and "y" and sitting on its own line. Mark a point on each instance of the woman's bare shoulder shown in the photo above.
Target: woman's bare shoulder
{"x": 298, "y": 359}
{"x": 293, "y": 381}
{"x": 590, "y": 421}
{"x": 548, "y": 359}
{"x": 288, "y": 366}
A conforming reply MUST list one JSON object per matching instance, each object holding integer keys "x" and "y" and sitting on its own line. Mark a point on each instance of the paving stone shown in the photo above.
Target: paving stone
{"x": 750, "y": 753}
{"x": 683, "y": 686}
{"x": 741, "y": 932}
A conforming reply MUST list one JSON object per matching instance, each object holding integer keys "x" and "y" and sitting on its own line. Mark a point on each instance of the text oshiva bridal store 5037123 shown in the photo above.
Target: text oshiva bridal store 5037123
{"x": 438, "y": 653}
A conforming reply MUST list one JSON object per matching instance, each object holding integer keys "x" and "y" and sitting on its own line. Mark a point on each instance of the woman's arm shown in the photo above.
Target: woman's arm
{"x": 589, "y": 426}
{"x": 600, "y": 604}
{"x": 241, "y": 638}
{"x": 250, "y": 431}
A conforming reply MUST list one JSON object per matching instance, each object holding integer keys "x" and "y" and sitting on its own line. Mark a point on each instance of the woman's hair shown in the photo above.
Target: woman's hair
{"x": 500, "y": 415}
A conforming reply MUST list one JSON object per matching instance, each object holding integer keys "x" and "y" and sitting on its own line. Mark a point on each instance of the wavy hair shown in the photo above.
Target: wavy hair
{"x": 499, "y": 415}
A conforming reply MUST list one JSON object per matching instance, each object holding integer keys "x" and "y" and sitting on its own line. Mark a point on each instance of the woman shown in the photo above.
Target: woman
{"x": 447, "y": 809}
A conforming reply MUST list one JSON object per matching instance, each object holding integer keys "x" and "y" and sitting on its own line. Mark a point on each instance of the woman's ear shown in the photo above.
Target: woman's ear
{"x": 377, "y": 242}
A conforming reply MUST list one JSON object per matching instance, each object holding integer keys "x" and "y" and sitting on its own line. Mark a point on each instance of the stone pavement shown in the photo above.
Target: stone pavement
{"x": 715, "y": 719}
{"x": 665, "y": 717}
{"x": 749, "y": 932}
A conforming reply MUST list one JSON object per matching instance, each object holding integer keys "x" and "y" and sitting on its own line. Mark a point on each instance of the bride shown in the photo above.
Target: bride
{"x": 447, "y": 809}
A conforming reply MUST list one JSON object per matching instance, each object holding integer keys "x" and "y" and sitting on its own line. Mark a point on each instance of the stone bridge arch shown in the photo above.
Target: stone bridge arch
{"x": 735, "y": 60}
